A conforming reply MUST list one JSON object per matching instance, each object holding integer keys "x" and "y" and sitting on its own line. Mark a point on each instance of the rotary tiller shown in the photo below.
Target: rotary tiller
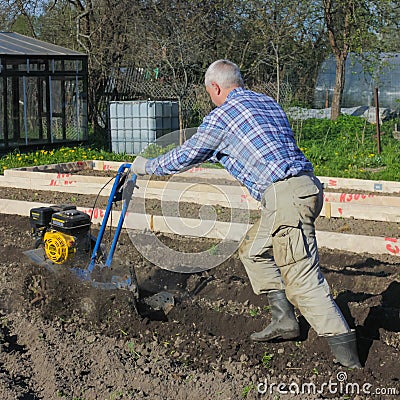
{"x": 63, "y": 239}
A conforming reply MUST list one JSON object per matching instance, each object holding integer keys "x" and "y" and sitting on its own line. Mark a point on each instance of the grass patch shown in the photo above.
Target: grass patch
{"x": 18, "y": 159}
{"x": 348, "y": 148}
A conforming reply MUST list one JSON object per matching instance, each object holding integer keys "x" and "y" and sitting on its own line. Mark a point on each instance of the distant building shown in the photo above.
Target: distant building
{"x": 43, "y": 93}
{"x": 360, "y": 81}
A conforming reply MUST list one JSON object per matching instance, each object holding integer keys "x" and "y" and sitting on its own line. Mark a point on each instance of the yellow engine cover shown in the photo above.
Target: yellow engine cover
{"x": 58, "y": 246}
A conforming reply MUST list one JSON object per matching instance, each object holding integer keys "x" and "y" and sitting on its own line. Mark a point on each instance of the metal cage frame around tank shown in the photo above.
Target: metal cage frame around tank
{"x": 135, "y": 124}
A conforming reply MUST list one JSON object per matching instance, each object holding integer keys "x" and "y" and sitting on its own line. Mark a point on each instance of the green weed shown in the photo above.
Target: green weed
{"x": 17, "y": 159}
{"x": 247, "y": 389}
{"x": 266, "y": 360}
{"x": 153, "y": 150}
{"x": 348, "y": 148}
{"x": 253, "y": 312}
{"x": 131, "y": 348}
{"x": 213, "y": 250}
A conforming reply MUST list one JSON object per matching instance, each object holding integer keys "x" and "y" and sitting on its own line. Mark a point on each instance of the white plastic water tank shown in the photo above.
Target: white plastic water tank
{"x": 136, "y": 124}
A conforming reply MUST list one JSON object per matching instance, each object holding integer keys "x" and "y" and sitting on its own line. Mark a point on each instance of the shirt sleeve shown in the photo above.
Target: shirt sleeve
{"x": 200, "y": 147}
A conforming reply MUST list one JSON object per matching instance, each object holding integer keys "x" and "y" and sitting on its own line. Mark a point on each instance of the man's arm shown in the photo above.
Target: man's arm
{"x": 200, "y": 147}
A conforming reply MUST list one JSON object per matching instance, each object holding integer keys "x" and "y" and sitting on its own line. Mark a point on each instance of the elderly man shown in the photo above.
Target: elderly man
{"x": 249, "y": 134}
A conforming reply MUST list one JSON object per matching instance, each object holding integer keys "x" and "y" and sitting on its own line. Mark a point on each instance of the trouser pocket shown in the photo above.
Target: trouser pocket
{"x": 289, "y": 246}
{"x": 308, "y": 200}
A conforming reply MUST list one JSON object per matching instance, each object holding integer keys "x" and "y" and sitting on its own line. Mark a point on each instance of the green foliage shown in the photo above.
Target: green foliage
{"x": 348, "y": 147}
{"x": 18, "y": 159}
{"x": 21, "y": 24}
{"x": 247, "y": 389}
{"x": 154, "y": 150}
{"x": 266, "y": 360}
{"x": 254, "y": 312}
{"x": 131, "y": 348}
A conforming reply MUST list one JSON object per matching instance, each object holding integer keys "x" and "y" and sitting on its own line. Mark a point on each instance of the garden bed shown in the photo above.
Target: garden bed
{"x": 63, "y": 339}
{"x": 75, "y": 341}
{"x": 193, "y": 210}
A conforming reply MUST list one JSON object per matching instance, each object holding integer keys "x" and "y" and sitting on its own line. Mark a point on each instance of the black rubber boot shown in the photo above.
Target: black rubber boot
{"x": 344, "y": 348}
{"x": 284, "y": 324}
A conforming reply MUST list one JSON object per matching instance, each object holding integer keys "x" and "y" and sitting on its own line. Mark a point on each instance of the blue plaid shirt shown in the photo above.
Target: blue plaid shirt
{"x": 249, "y": 135}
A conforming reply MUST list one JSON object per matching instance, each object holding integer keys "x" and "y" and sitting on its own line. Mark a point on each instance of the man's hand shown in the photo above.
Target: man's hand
{"x": 138, "y": 166}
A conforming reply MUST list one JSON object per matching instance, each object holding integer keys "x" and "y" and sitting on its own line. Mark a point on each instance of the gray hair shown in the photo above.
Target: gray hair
{"x": 225, "y": 73}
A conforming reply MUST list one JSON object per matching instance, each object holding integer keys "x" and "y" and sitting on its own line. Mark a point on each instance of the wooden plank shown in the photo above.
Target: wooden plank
{"x": 361, "y": 207}
{"x": 326, "y": 211}
{"x": 176, "y": 225}
{"x": 361, "y": 184}
{"x": 361, "y": 211}
{"x": 362, "y": 198}
{"x": 225, "y": 196}
{"x": 188, "y": 227}
{"x": 17, "y": 207}
{"x": 66, "y": 167}
{"x": 367, "y": 206}
{"x": 217, "y": 229}
{"x": 68, "y": 186}
{"x": 359, "y": 243}
{"x": 373, "y": 186}
{"x": 70, "y": 179}
{"x": 55, "y": 179}
{"x": 198, "y": 171}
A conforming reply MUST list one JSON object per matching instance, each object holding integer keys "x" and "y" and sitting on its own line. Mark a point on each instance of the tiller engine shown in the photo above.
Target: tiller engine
{"x": 63, "y": 231}
{"x": 63, "y": 239}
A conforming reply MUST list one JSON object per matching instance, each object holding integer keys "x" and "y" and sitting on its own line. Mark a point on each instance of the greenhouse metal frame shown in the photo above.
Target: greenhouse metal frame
{"x": 43, "y": 93}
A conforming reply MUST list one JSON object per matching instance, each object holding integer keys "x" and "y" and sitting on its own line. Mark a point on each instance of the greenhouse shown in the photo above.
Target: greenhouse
{"x": 43, "y": 93}
{"x": 361, "y": 79}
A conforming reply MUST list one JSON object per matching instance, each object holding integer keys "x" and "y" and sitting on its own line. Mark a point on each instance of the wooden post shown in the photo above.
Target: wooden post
{"x": 378, "y": 130}
{"x": 326, "y": 98}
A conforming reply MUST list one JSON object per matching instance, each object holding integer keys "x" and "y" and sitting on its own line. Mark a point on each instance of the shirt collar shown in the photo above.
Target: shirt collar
{"x": 235, "y": 92}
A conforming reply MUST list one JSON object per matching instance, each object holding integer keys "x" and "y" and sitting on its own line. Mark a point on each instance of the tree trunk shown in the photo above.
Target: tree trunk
{"x": 339, "y": 86}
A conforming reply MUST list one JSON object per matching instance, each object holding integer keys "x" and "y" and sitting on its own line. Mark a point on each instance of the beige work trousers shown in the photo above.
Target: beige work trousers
{"x": 286, "y": 226}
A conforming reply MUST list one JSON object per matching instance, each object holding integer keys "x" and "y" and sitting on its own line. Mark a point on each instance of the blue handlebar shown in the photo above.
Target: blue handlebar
{"x": 131, "y": 185}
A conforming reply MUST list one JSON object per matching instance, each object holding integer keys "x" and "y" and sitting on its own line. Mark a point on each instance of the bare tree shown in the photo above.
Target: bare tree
{"x": 22, "y": 13}
{"x": 340, "y": 22}
{"x": 179, "y": 38}
{"x": 101, "y": 30}
{"x": 278, "y": 34}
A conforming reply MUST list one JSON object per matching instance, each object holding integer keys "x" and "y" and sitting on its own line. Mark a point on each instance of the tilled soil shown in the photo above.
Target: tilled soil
{"x": 63, "y": 339}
